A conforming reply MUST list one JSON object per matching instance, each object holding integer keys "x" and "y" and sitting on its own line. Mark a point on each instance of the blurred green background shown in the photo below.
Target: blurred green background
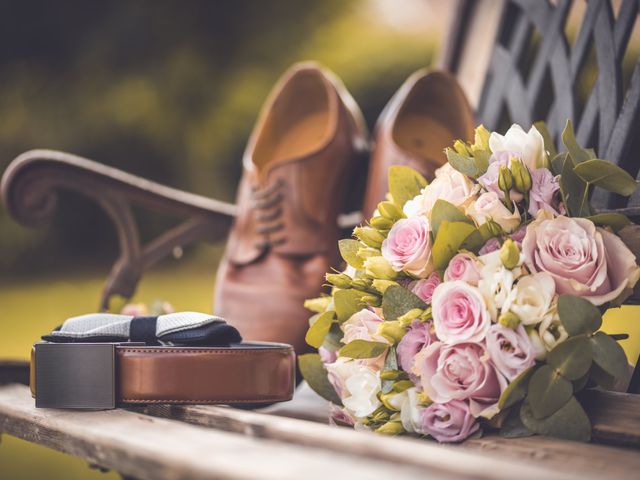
{"x": 168, "y": 90}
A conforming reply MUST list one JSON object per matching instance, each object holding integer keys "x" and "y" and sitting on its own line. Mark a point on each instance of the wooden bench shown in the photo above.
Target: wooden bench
{"x": 515, "y": 62}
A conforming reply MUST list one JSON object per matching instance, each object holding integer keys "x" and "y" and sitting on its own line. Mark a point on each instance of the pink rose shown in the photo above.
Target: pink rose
{"x": 459, "y": 313}
{"x": 463, "y": 267}
{"x": 584, "y": 261}
{"x": 339, "y": 416}
{"x": 510, "y": 350}
{"x": 327, "y": 356}
{"x": 450, "y": 185}
{"x": 449, "y": 422}
{"x": 544, "y": 192}
{"x": 518, "y": 235}
{"x": 424, "y": 287}
{"x": 418, "y": 336}
{"x": 408, "y": 246}
{"x": 459, "y": 372}
{"x": 363, "y": 325}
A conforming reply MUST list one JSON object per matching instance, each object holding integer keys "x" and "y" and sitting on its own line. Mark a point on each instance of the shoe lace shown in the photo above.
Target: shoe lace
{"x": 267, "y": 208}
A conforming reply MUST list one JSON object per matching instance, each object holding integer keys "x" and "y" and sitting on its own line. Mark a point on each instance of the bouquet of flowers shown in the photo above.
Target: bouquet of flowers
{"x": 476, "y": 300}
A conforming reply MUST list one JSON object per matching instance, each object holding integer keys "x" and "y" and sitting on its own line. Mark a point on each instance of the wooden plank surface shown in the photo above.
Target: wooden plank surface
{"x": 585, "y": 460}
{"x": 146, "y": 447}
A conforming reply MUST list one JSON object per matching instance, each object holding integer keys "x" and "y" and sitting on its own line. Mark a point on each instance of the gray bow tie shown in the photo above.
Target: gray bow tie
{"x": 180, "y": 328}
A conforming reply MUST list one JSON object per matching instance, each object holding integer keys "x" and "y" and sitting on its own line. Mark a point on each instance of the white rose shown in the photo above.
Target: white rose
{"x": 530, "y": 145}
{"x": 488, "y": 206}
{"x": 449, "y": 185}
{"x": 551, "y": 331}
{"x": 532, "y": 297}
{"x": 411, "y": 411}
{"x": 496, "y": 282}
{"x": 356, "y": 384}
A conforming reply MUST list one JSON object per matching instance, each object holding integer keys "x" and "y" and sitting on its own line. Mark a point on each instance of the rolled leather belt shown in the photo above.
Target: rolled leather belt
{"x": 76, "y": 371}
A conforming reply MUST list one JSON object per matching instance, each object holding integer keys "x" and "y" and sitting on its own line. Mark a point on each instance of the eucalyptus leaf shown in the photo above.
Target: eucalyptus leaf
{"x": 549, "y": 145}
{"x": 557, "y": 162}
{"x": 609, "y": 356}
{"x": 319, "y": 329}
{"x": 349, "y": 251}
{"x": 616, "y": 221}
{"x": 390, "y": 364}
{"x": 397, "y": 300}
{"x": 363, "y": 349}
{"x": 607, "y": 176}
{"x": 580, "y": 383}
{"x": 451, "y": 235}
{"x": 512, "y": 426}
{"x": 314, "y": 372}
{"x": 346, "y": 303}
{"x": 445, "y": 211}
{"x": 470, "y": 166}
{"x": 404, "y": 183}
{"x": 578, "y": 315}
{"x": 572, "y": 358}
{"x": 333, "y": 340}
{"x": 548, "y": 391}
{"x": 570, "y": 422}
{"x": 516, "y": 390}
{"x": 575, "y": 191}
{"x": 577, "y": 153}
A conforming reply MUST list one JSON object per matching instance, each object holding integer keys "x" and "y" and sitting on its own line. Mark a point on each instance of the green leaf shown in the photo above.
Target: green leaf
{"x": 578, "y": 315}
{"x": 572, "y": 358}
{"x": 512, "y": 426}
{"x": 476, "y": 239}
{"x": 557, "y": 162}
{"x": 363, "y": 349}
{"x": 580, "y": 383}
{"x": 470, "y": 166}
{"x": 607, "y": 176}
{"x": 333, "y": 340}
{"x": 390, "y": 363}
{"x": 397, "y": 300}
{"x": 570, "y": 422}
{"x": 319, "y": 329}
{"x": 609, "y": 356}
{"x": 575, "y": 191}
{"x": 548, "y": 391}
{"x": 516, "y": 390}
{"x": 451, "y": 235}
{"x": 577, "y": 153}
{"x": 347, "y": 302}
{"x": 616, "y": 221}
{"x": 445, "y": 211}
{"x": 549, "y": 145}
{"x": 349, "y": 251}
{"x": 404, "y": 183}
{"x": 314, "y": 372}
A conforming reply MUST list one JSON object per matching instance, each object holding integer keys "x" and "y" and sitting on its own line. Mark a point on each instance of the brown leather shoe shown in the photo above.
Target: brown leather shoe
{"x": 296, "y": 166}
{"x": 428, "y": 113}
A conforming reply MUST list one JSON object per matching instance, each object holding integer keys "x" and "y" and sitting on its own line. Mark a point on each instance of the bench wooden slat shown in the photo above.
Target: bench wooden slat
{"x": 587, "y": 460}
{"x": 148, "y": 447}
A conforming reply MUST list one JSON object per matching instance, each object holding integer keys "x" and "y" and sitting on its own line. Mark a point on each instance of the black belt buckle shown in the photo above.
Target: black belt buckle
{"x": 75, "y": 375}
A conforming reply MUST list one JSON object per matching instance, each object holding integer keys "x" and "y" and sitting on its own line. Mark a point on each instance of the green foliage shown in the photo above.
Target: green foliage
{"x": 609, "y": 356}
{"x": 346, "y": 303}
{"x": 569, "y": 422}
{"x": 445, "y": 211}
{"x": 363, "y": 349}
{"x": 397, "y": 301}
{"x": 404, "y": 183}
{"x": 349, "y": 251}
{"x": 390, "y": 365}
{"x": 547, "y": 392}
{"x": 577, "y": 153}
{"x": 319, "y": 328}
{"x": 573, "y": 357}
{"x": 470, "y": 166}
{"x": 616, "y": 221}
{"x": 451, "y": 235}
{"x": 578, "y": 315}
{"x": 549, "y": 145}
{"x": 607, "y": 176}
{"x": 516, "y": 390}
{"x": 314, "y": 372}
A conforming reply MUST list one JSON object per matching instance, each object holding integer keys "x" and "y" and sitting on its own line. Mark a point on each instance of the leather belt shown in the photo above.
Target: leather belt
{"x": 106, "y": 375}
